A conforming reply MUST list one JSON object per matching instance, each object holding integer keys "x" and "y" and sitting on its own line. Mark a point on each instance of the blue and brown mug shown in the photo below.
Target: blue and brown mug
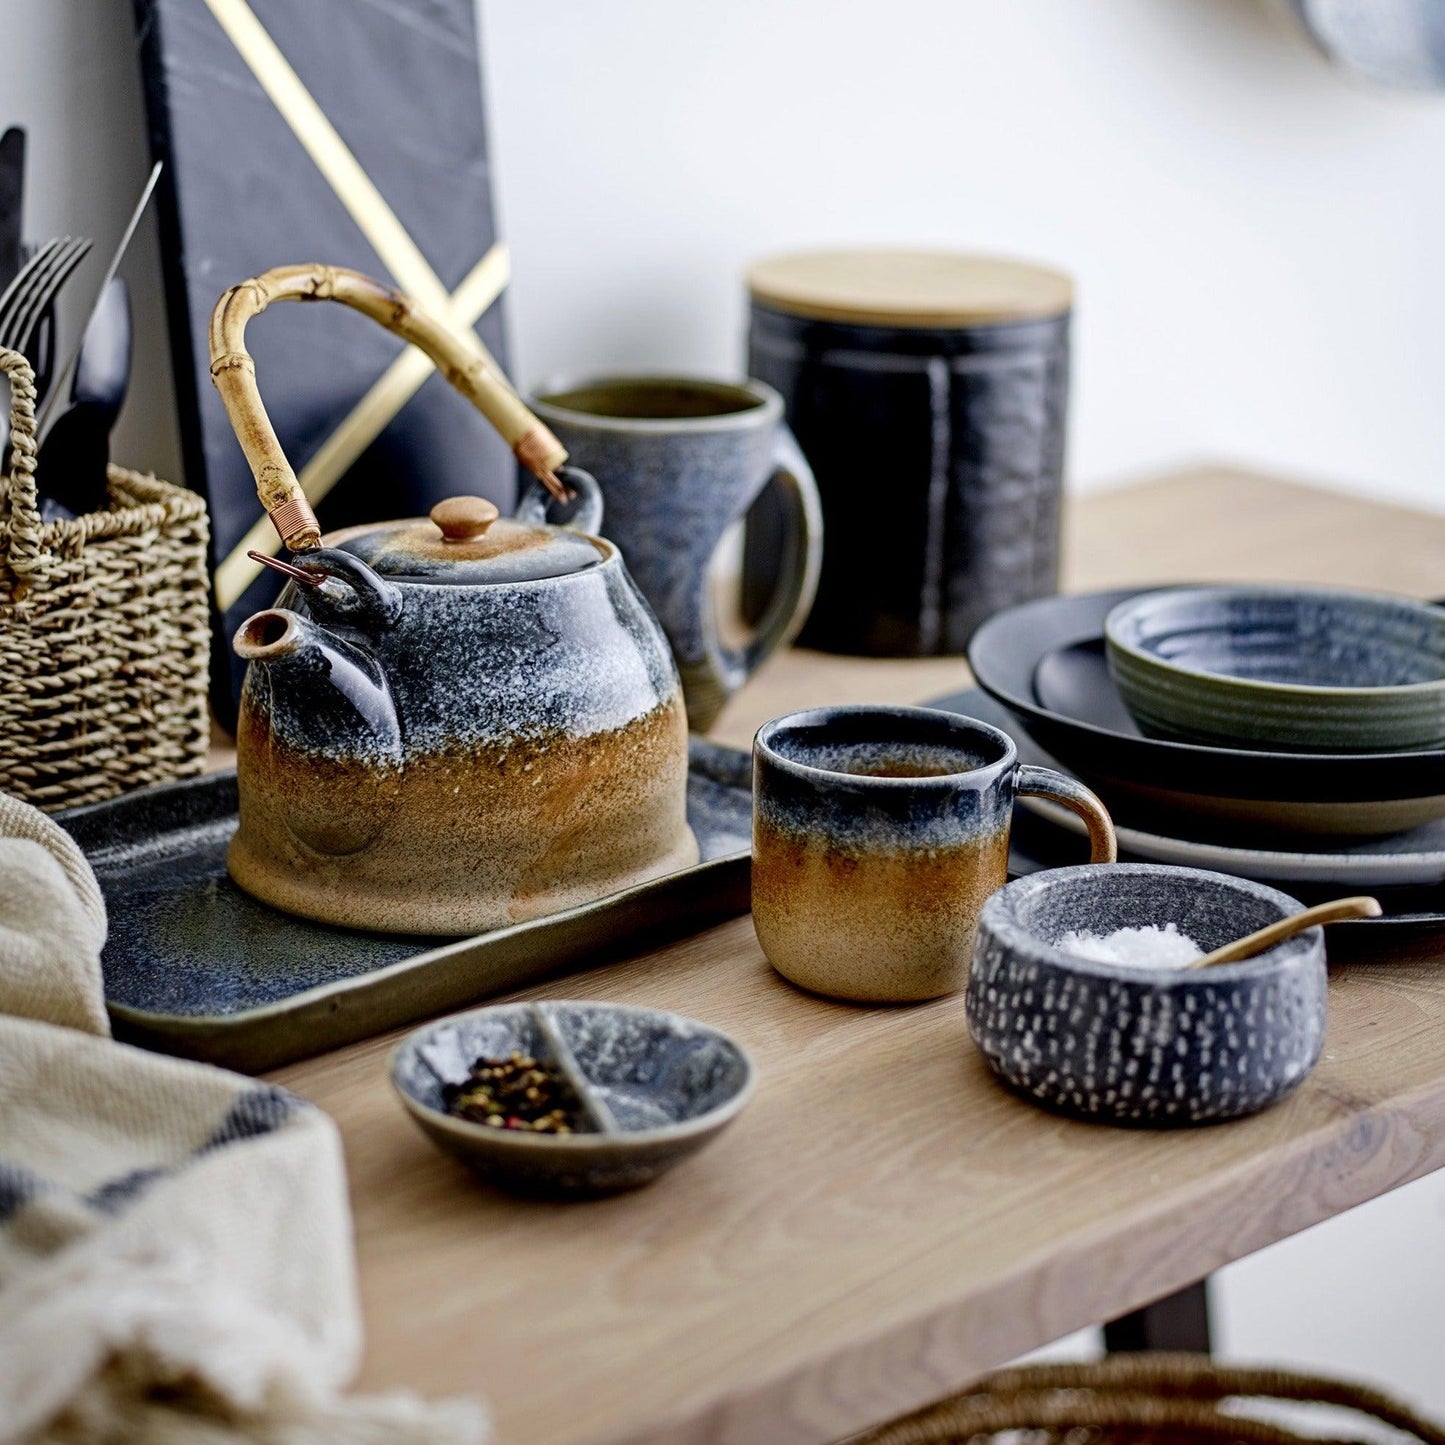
{"x": 878, "y": 832}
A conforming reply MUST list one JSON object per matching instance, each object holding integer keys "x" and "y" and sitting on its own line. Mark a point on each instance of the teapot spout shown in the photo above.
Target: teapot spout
{"x": 272, "y": 635}
{"x": 318, "y": 752}
{"x": 326, "y": 693}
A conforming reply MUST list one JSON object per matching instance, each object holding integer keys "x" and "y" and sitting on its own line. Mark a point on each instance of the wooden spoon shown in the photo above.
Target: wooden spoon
{"x": 1257, "y": 942}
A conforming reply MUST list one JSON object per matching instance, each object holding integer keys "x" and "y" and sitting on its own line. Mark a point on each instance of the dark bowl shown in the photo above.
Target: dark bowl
{"x": 1320, "y": 669}
{"x": 671, "y": 1084}
{"x": 1144, "y": 1046}
{"x": 1153, "y": 780}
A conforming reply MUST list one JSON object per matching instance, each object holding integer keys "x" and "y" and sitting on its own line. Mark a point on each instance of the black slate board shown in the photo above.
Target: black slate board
{"x": 401, "y": 84}
{"x": 193, "y": 966}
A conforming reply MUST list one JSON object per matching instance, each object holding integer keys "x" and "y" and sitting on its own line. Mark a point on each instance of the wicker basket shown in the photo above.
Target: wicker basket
{"x": 104, "y": 631}
{"x": 1133, "y": 1399}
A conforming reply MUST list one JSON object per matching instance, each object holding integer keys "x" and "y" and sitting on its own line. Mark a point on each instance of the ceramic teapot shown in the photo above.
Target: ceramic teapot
{"x": 449, "y": 724}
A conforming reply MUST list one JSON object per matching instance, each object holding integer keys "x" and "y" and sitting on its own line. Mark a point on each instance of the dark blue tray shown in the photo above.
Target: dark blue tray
{"x": 194, "y": 966}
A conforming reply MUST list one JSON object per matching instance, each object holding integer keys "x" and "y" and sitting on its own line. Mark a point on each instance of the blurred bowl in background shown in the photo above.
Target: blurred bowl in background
{"x": 1314, "y": 669}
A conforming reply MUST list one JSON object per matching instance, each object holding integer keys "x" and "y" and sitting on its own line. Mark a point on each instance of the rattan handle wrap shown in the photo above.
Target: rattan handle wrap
{"x": 234, "y": 373}
{"x": 20, "y": 523}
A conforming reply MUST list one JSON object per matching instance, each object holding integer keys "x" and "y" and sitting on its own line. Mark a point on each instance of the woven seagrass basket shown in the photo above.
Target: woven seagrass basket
{"x": 104, "y": 631}
{"x": 1153, "y": 1400}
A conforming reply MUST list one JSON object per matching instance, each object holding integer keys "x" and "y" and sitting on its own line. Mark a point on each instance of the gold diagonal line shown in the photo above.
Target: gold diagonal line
{"x": 366, "y": 421}
{"x": 355, "y": 189}
{"x": 398, "y": 252}
{"x": 388, "y": 237}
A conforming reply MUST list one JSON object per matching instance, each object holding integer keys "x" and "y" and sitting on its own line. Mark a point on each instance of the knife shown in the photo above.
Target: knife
{"x": 115, "y": 260}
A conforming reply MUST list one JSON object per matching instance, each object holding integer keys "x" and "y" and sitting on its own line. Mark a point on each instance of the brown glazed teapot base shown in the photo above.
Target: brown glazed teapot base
{"x": 467, "y": 840}
{"x": 350, "y": 905}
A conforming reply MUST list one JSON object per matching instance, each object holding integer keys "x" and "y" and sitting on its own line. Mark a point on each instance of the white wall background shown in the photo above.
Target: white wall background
{"x": 1259, "y": 243}
{"x": 1258, "y": 240}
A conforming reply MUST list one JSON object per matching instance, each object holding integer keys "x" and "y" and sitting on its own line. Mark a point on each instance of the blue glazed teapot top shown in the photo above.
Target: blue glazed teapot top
{"x": 465, "y": 541}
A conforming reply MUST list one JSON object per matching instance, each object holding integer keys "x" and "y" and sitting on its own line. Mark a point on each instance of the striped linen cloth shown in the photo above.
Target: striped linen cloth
{"x": 175, "y": 1241}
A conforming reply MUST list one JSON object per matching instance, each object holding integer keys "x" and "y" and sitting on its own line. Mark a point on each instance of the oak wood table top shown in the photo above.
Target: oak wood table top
{"x": 884, "y": 1223}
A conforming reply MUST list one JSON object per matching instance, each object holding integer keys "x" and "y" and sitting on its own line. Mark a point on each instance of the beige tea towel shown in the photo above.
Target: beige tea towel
{"x": 175, "y": 1241}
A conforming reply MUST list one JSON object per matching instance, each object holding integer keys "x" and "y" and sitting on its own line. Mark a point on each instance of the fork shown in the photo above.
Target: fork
{"x": 29, "y": 295}
{"x": 17, "y": 331}
{"x": 19, "y": 288}
{"x": 13, "y": 298}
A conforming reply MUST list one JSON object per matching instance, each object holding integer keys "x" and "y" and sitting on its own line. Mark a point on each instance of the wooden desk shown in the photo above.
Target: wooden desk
{"x": 884, "y": 1223}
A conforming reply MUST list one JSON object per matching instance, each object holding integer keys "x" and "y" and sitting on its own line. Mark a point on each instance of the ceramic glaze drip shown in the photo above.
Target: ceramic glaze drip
{"x": 843, "y": 782}
{"x": 556, "y": 657}
{"x": 857, "y": 814}
{"x": 886, "y": 921}
{"x": 1149, "y": 946}
{"x": 884, "y": 759}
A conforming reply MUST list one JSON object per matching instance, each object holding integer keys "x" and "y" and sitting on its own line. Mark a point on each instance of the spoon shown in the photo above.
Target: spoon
{"x": 1258, "y": 941}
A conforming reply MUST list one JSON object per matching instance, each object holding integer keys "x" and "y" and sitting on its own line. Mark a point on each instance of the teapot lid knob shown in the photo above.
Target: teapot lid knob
{"x": 463, "y": 518}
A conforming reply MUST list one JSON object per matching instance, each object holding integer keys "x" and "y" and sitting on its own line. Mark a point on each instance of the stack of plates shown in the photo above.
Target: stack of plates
{"x": 1314, "y": 824}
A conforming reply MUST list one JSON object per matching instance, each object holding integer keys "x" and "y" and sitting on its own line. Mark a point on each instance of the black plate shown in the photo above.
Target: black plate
{"x": 1007, "y": 651}
{"x": 1036, "y": 843}
{"x": 1074, "y": 682}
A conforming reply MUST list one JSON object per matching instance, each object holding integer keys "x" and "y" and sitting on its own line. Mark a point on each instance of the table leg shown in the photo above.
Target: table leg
{"x": 1176, "y": 1322}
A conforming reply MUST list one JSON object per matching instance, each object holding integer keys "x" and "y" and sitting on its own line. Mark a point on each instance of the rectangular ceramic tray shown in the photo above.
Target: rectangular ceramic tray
{"x": 195, "y": 967}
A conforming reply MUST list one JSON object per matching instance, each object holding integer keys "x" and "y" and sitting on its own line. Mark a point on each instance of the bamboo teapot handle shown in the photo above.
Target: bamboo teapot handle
{"x": 234, "y": 373}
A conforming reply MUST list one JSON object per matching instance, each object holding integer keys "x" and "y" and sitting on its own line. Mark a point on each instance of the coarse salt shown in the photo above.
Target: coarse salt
{"x": 1146, "y": 947}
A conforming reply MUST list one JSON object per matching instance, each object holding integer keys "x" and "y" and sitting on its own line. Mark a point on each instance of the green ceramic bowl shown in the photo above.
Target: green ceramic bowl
{"x": 1311, "y": 669}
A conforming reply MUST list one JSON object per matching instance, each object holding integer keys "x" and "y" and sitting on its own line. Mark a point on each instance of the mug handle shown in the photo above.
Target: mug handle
{"x": 1035, "y": 782}
{"x": 798, "y": 569}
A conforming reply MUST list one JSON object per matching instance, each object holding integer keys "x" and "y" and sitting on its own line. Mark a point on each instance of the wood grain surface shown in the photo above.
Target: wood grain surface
{"x": 884, "y": 1222}
{"x": 889, "y": 287}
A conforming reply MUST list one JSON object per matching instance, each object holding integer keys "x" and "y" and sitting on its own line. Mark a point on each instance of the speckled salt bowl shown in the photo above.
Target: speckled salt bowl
{"x": 668, "y": 1083}
{"x": 1131, "y": 1045}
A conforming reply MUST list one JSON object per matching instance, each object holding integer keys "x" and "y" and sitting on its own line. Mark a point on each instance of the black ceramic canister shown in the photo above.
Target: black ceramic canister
{"x": 928, "y": 391}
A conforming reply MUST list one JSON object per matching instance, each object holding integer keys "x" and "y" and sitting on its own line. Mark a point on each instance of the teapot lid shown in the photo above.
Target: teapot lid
{"x": 466, "y": 541}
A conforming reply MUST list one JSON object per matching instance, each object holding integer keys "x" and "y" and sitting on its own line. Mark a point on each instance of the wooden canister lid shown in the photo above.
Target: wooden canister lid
{"x": 885, "y": 287}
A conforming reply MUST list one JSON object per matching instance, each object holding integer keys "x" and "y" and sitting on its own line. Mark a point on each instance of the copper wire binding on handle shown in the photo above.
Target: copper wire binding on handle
{"x": 296, "y": 524}
{"x": 303, "y": 579}
{"x": 234, "y": 374}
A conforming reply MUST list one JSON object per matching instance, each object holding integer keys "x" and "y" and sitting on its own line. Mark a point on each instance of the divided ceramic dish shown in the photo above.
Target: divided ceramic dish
{"x": 1313, "y": 669}
{"x": 194, "y": 966}
{"x": 1045, "y": 662}
{"x": 655, "y": 1087}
